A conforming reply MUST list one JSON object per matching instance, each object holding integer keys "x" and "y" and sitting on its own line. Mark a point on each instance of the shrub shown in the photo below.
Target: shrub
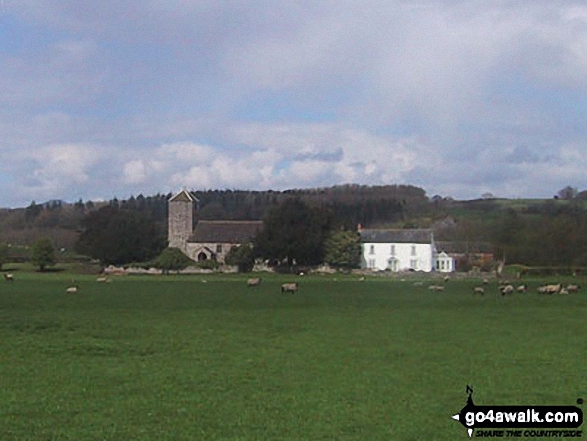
{"x": 241, "y": 256}
{"x": 172, "y": 259}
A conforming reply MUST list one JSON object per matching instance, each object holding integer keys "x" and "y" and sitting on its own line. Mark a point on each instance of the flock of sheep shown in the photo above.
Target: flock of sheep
{"x": 507, "y": 288}
{"x": 504, "y": 287}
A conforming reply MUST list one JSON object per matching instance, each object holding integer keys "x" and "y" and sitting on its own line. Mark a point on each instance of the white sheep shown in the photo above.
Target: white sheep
{"x": 289, "y": 287}
{"x": 8, "y": 277}
{"x": 522, "y": 288}
{"x": 72, "y": 289}
{"x": 507, "y": 289}
{"x": 254, "y": 282}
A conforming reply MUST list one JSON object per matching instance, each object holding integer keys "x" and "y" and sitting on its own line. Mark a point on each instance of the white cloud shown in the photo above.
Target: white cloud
{"x": 57, "y": 169}
{"x": 134, "y": 172}
{"x": 457, "y": 97}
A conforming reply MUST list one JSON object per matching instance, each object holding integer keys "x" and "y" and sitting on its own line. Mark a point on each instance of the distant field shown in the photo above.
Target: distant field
{"x": 174, "y": 358}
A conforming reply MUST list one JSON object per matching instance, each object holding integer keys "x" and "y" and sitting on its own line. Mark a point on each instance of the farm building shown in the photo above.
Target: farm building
{"x": 402, "y": 250}
{"x": 209, "y": 240}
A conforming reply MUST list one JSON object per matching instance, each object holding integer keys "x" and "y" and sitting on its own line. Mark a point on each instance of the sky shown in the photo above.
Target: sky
{"x": 110, "y": 98}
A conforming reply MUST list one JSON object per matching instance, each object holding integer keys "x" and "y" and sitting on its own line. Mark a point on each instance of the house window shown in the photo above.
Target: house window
{"x": 414, "y": 264}
{"x": 371, "y": 263}
{"x": 413, "y": 250}
{"x": 372, "y": 249}
{"x": 392, "y": 250}
{"x": 218, "y": 249}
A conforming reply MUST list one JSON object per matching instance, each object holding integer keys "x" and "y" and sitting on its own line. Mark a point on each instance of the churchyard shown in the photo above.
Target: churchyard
{"x": 207, "y": 357}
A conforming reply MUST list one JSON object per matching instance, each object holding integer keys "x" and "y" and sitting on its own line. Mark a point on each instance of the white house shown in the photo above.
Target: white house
{"x": 402, "y": 250}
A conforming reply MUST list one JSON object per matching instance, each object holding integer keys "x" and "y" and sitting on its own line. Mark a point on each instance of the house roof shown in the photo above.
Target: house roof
{"x": 225, "y": 231}
{"x": 183, "y": 196}
{"x": 396, "y": 236}
{"x": 460, "y": 247}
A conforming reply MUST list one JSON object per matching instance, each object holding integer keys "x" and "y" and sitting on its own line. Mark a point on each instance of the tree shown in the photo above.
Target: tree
{"x": 172, "y": 259}
{"x": 567, "y": 193}
{"x": 342, "y": 249}
{"x": 3, "y": 254}
{"x": 242, "y": 256}
{"x": 43, "y": 253}
{"x": 117, "y": 236}
{"x": 293, "y": 231}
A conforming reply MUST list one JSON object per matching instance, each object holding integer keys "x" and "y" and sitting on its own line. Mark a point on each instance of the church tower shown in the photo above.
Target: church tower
{"x": 180, "y": 220}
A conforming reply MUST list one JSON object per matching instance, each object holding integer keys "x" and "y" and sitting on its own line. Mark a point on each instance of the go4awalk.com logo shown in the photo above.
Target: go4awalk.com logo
{"x": 520, "y": 421}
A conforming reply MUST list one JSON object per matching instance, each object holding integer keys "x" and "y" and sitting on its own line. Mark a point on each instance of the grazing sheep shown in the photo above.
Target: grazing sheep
{"x": 72, "y": 289}
{"x": 435, "y": 288}
{"x": 254, "y": 282}
{"x": 485, "y": 281}
{"x": 507, "y": 289}
{"x": 522, "y": 288}
{"x": 446, "y": 278}
{"x": 478, "y": 290}
{"x": 563, "y": 291}
{"x": 361, "y": 279}
{"x": 553, "y": 289}
{"x": 289, "y": 287}
{"x": 101, "y": 279}
{"x": 8, "y": 277}
{"x": 573, "y": 288}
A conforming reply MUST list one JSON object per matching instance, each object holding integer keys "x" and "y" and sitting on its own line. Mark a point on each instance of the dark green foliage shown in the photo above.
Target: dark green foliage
{"x": 293, "y": 233}
{"x": 342, "y": 249}
{"x": 43, "y": 254}
{"x": 208, "y": 264}
{"x": 172, "y": 259}
{"x": 116, "y": 236}
{"x": 243, "y": 257}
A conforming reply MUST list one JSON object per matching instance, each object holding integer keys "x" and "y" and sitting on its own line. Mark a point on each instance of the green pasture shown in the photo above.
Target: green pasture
{"x": 207, "y": 358}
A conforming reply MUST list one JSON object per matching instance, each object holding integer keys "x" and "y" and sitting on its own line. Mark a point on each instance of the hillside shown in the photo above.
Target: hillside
{"x": 532, "y": 231}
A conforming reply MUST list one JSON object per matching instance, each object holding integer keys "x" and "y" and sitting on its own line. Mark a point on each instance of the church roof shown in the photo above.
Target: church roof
{"x": 396, "y": 236}
{"x": 184, "y": 196}
{"x": 225, "y": 231}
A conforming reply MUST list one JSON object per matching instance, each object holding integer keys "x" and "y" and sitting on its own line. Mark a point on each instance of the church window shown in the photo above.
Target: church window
{"x": 218, "y": 249}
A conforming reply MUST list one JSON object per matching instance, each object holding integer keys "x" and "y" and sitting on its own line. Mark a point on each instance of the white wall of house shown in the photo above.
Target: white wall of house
{"x": 398, "y": 256}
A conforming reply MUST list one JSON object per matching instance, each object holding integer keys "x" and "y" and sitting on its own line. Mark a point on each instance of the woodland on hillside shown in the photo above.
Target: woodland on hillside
{"x": 534, "y": 232}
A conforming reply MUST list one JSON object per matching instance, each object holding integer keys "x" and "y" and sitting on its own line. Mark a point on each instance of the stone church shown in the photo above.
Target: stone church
{"x": 208, "y": 240}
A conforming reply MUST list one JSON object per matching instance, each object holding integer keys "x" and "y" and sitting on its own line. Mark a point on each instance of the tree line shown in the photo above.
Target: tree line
{"x": 534, "y": 232}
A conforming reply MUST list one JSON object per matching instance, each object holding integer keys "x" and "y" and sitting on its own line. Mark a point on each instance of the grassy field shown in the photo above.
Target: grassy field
{"x": 174, "y": 358}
